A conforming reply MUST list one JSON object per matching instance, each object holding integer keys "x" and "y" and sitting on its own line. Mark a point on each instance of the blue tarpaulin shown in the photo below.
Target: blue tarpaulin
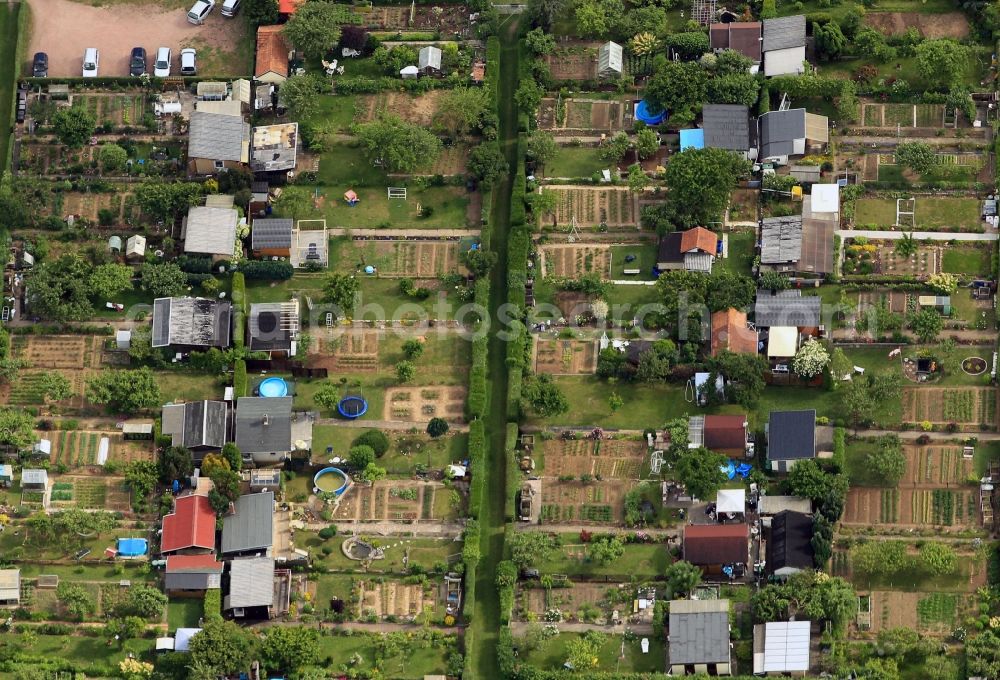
{"x": 692, "y": 139}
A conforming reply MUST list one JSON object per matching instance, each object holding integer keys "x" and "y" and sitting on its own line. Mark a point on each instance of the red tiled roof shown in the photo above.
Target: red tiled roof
{"x": 272, "y": 51}
{"x": 190, "y": 525}
{"x": 725, "y": 432}
{"x": 288, "y": 6}
{"x": 698, "y": 238}
{"x": 730, "y": 332}
{"x": 193, "y": 563}
{"x": 710, "y": 544}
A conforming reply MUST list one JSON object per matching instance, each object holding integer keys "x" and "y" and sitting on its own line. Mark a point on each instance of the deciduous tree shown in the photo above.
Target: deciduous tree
{"x": 57, "y": 290}
{"x": 314, "y": 28}
{"x": 682, "y": 578}
{"x": 162, "y": 280}
{"x": 942, "y": 62}
{"x": 398, "y": 146}
{"x": 700, "y": 471}
{"x": 108, "y": 280}
{"x": 301, "y": 94}
{"x": 543, "y": 397}
{"x": 126, "y": 391}
{"x": 74, "y": 126}
{"x": 700, "y": 181}
{"x": 811, "y": 359}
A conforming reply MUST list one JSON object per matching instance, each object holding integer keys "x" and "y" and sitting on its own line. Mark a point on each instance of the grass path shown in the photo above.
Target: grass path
{"x": 8, "y": 72}
{"x": 486, "y": 617}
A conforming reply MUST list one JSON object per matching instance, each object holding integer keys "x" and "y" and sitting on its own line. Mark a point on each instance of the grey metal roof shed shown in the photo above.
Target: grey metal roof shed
{"x": 698, "y": 632}
{"x": 271, "y": 232}
{"x": 779, "y": 130}
{"x": 251, "y": 527}
{"x": 196, "y": 424}
{"x": 251, "y": 583}
{"x": 781, "y": 239}
{"x": 784, "y": 33}
{"x": 195, "y": 322}
{"x": 791, "y": 435}
{"x": 264, "y": 424}
{"x": 727, "y": 126}
{"x": 787, "y": 308}
{"x": 218, "y": 137}
{"x": 211, "y": 231}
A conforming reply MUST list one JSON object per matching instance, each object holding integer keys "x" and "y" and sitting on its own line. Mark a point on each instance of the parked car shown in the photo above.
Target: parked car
{"x": 137, "y": 62}
{"x": 230, "y": 8}
{"x": 189, "y": 66}
{"x": 161, "y": 68}
{"x": 200, "y": 11}
{"x": 529, "y": 573}
{"x": 91, "y": 62}
{"x": 40, "y": 65}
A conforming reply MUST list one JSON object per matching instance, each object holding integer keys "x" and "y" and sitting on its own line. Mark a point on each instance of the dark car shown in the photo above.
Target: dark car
{"x": 529, "y": 574}
{"x": 137, "y": 62}
{"x": 40, "y": 65}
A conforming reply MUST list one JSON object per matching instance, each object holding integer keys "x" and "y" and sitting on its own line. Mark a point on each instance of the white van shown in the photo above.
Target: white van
{"x": 230, "y": 8}
{"x": 161, "y": 68}
{"x": 91, "y": 61}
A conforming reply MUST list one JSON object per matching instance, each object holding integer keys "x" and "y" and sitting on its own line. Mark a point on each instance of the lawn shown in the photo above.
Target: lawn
{"x": 8, "y": 73}
{"x": 624, "y": 300}
{"x": 644, "y": 255}
{"x": 413, "y": 663}
{"x": 908, "y": 71}
{"x": 645, "y": 405}
{"x": 986, "y": 453}
{"x": 552, "y": 654}
{"x": 426, "y": 552}
{"x": 949, "y": 356}
{"x": 741, "y": 253}
{"x": 336, "y": 112}
{"x": 968, "y": 260}
{"x": 575, "y": 162}
{"x": 369, "y": 385}
{"x": 856, "y": 462}
{"x": 330, "y": 586}
{"x": 406, "y": 450}
{"x": 647, "y": 560}
{"x": 90, "y": 655}
{"x": 958, "y": 214}
{"x": 189, "y": 386}
{"x": 184, "y": 613}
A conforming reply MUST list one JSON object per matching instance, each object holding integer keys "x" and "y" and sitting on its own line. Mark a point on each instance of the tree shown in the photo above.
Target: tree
{"x": 646, "y": 143}
{"x": 809, "y": 480}
{"x": 730, "y": 62}
{"x": 700, "y": 181}
{"x": 870, "y": 42}
{"x": 983, "y": 654}
{"x": 125, "y": 391}
{"x": 822, "y": 540}
{"x": 678, "y": 87}
{"x": 543, "y": 12}
{"x": 143, "y": 601}
{"x": 940, "y": 667}
{"x": 614, "y": 149}
{"x": 528, "y": 95}
{"x": 726, "y": 290}
{"x": 541, "y": 147}
{"x": 398, "y": 146}
{"x": 140, "y": 477}
{"x": 615, "y": 402}
{"x": 887, "y": 461}
{"x": 700, "y": 471}
{"x": 314, "y": 28}
{"x": 688, "y": 45}
{"x": 906, "y": 246}
{"x": 218, "y": 502}
{"x": 811, "y": 359}
{"x": 682, "y": 578}
{"x": 162, "y": 280}
{"x": 942, "y": 62}
{"x": 840, "y": 366}
{"x": 413, "y": 348}
{"x": 592, "y": 19}
{"x": 655, "y": 363}
{"x": 372, "y": 473}
{"x": 943, "y": 283}
{"x": 301, "y": 93}
{"x": 582, "y": 652}
{"x": 737, "y": 88}
{"x": 231, "y": 453}
{"x": 164, "y": 200}
{"x": 405, "y": 370}
{"x": 112, "y": 157}
{"x": 57, "y": 289}
{"x": 606, "y": 549}
{"x": 527, "y": 547}
{"x": 376, "y": 439}
{"x": 744, "y": 374}
{"x": 227, "y": 483}
{"x": 879, "y": 557}
{"x": 637, "y": 179}
{"x": 542, "y": 396}
{"x": 212, "y": 463}
{"x": 341, "y": 290}
{"x": 55, "y": 387}
{"x": 926, "y": 324}
{"x": 938, "y": 559}
{"x": 74, "y": 126}
{"x": 175, "y": 463}
{"x": 918, "y": 156}
{"x": 462, "y": 110}
{"x": 222, "y": 646}
{"x": 437, "y": 427}
{"x": 830, "y": 40}
{"x": 361, "y": 456}
{"x": 487, "y": 163}
{"x": 644, "y": 44}
{"x": 960, "y": 99}
{"x": 539, "y": 42}
{"x": 327, "y": 397}
{"x": 108, "y": 280}
{"x": 260, "y": 13}
{"x": 772, "y": 280}
{"x": 285, "y": 648}
{"x": 124, "y": 628}
{"x": 75, "y": 599}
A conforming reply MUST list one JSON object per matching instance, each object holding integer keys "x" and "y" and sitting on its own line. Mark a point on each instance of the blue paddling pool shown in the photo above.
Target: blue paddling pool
{"x": 132, "y": 547}
{"x": 273, "y": 387}
{"x": 643, "y": 113}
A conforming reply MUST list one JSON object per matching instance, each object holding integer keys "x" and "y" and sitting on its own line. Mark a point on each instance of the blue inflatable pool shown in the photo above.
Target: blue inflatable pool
{"x": 643, "y": 113}
{"x": 132, "y": 547}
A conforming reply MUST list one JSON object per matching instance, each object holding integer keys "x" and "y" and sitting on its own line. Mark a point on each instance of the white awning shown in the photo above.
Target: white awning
{"x": 782, "y": 341}
{"x": 731, "y": 500}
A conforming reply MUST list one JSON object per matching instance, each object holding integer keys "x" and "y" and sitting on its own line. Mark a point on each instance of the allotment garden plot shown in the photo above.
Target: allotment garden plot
{"x": 75, "y": 356}
{"x": 965, "y": 406}
{"x": 420, "y": 404}
{"x": 418, "y": 109}
{"x": 593, "y": 206}
{"x": 903, "y": 115}
{"x": 574, "y": 61}
{"x": 351, "y": 351}
{"x": 932, "y": 492}
{"x": 412, "y": 259}
{"x": 605, "y": 458}
{"x": 90, "y": 493}
{"x": 79, "y": 448}
{"x": 395, "y": 500}
{"x": 579, "y": 115}
{"x": 565, "y": 357}
{"x": 931, "y": 213}
{"x": 935, "y": 614}
{"x": 572, "y": 600}
{"x": 572, "y": 260}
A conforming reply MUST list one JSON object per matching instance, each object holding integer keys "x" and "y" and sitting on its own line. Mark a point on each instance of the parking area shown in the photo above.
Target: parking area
{"x": 148, "y": 26}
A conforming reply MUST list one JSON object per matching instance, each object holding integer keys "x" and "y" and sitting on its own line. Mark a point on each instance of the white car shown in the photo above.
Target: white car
{"x": 200, "y": 11}
{"x": 189, "y": 65}
{"x": 161, "y": 67}
{"x": 91, "y": 62}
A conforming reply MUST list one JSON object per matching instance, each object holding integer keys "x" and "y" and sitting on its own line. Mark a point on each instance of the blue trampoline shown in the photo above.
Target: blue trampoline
{"x": 352, "y": 406}
{"x": 132, "y": 547}
{"x": 648, "y": 117}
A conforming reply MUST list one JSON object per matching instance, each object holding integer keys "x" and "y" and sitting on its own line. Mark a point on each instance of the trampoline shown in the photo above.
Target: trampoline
{"x": 273, "y": 387}
{"x": 648, "y": 117}
{"x": 331, "y": 480}
{"x": 352, "y": 406}
{"x": 132, "y": 547}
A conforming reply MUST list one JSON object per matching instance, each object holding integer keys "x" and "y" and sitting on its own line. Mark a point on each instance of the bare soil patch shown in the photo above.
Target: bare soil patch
{"x": 65, "y": 29}
{"x": 947, "y": 25}
{"x": 573, "y": 260}
{"x": 392, "y": 598}
{"x": 353, "y": 351}
{"x": 593, "y": 206}
{"x": 574, "y": 61}
{"x": 419, "y": 109}
{"x": 422, "y": 259}
{"x": 570, "y": 600}
{"x": 571, "y": 303}
{"x": 580, "y": 115}
{"x": 608, "y": 458}
{"x": 420, "y": 404}
{"x": 565, "y": 357}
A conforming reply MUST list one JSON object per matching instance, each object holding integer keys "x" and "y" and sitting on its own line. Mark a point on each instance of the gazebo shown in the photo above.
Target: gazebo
{"x": 731, "y": 502}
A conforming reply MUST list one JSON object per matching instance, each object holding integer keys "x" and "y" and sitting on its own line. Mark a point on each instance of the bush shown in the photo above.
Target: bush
{"x": 267, "y": 270}
{"x": 327, "y": 533}
{"x": 376, "y": 439}
{"x": 213, "y": 605}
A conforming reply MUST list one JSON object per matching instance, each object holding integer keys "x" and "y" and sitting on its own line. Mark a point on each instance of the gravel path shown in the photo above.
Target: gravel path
{"x": 64, "y": 29}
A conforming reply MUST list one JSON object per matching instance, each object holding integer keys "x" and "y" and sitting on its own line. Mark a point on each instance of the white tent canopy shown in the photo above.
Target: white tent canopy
{"x": 783, "y": 341}
{"x": 731, "y": 500}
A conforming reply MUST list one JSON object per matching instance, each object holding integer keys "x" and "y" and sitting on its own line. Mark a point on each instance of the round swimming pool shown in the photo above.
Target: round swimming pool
{"x": 332, "y": 480}
{"x": 273, "y": 387}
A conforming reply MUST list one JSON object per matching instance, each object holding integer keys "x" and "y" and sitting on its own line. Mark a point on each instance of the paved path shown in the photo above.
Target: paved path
{"x": 364, "y": 424}
{"x": 918, "y": 235}
{"x": 434, "y": 528}
{"x": 520, "y": 627}
{"x": 977, "y": 336}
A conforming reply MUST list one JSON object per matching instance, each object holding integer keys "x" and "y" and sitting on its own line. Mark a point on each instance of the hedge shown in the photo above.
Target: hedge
{"x": 213, "y": 605}
{"x": 240, "y": 378}
{"x": 239, "y": 298}
{"x": 470, "y": 559}
{"x": 266, "y": 270}
{"x": 513, "y": 472}
{"x": 514, "y": 394}
{"x": 840, "y": 448}
{"x": 476, "y": 402}
{"x": 477, "y": 459}
{"x": 517, "y": 212}
{"x": 20, "y": 56}
{"x": 809, "y": 86}
{"x": 491, "y": 79}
